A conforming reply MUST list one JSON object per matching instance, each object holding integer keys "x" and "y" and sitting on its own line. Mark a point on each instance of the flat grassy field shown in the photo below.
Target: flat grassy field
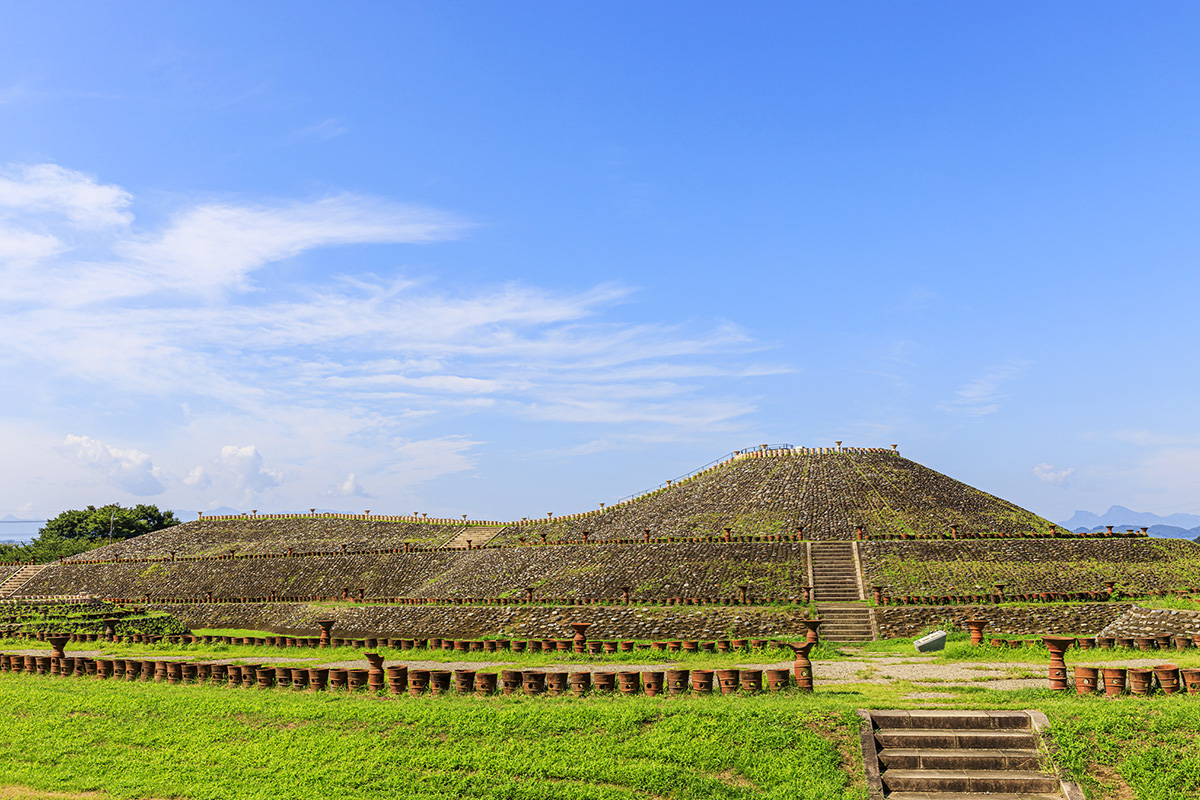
{"x": 143, "y": 740}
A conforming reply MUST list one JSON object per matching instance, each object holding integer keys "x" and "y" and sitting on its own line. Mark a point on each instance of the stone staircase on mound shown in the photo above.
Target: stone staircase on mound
{"x": 947, "y": 754}
{"x": 477, "y": 535}
{"x": 20, "y": 578}
{"x": 837, "y": 593}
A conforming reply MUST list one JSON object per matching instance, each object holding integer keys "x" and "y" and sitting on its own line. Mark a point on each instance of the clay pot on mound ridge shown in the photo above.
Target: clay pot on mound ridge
{"x": 464, "y": 681}
{"x": 318, "y": 679}
{"x": 1191, "y": 680}
{"x": 630, "y": 683}
{"x": 652, "y": 682}
{"x": 604, "y": 681}
{"x": 677, "y": 681}
{"x": 485, "y": 683}
{"x": 338, "y": 679}
{"x": 727, "y": 679}
{"x": 418, "y": 682}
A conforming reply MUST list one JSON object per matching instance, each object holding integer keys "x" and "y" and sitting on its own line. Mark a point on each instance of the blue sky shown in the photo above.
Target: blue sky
{"x": 501, "y": 259}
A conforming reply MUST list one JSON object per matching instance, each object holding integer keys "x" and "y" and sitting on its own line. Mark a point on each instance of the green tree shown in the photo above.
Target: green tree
{"x": 97, "y": 524}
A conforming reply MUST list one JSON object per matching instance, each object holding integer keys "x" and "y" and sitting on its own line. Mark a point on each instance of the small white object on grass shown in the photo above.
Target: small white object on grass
{"x": 934, "y": 641}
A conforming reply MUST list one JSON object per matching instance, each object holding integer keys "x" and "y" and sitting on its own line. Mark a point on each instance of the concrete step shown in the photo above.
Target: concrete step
{"x": 967, "y": 780}
{"x": 952, "y": 719}
{"x": 940, "y": 758}
{"x": 950, "y": 738}
{"x": 975, "y": 796}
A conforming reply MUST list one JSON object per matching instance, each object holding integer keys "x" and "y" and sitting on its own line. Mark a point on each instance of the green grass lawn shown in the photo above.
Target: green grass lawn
{"x": 146, "y": 740}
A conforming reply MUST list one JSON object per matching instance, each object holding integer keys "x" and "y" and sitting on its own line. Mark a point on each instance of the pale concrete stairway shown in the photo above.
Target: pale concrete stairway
{"x": 835, "y": 588}
{"x": 477, "y": 535}
{"x": 20, "y": 578}
{"x": 958, "y": 755}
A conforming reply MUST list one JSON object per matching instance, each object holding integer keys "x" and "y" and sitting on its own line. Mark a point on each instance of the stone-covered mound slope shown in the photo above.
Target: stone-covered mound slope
{"x": 828, "y": 493}
{"x": 302, "y": 534}
{"x": 1137, "y": 566}
{"x": 682, "y": 569}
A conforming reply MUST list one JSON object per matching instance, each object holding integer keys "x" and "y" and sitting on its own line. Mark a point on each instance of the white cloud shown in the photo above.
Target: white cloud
{"x": 131, "y": 470}
{"x": 1047, "y": 473}
{"x": 321, "y": 131}
{"x": 49, "y": 188}
{"x": 243, "y": 468}
{"x": 348, "y": 488}
{"x": 328, "y": 374}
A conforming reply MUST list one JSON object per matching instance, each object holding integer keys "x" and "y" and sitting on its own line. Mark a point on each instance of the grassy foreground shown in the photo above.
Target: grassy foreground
{"x": 135, "y": 740}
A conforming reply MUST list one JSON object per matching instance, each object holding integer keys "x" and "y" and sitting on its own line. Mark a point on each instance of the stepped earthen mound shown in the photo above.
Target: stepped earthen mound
{"x": 828, "y": 493}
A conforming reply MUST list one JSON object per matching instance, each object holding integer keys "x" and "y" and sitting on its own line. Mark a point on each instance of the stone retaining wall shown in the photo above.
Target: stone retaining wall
{"x": 1087, "y": 618}
{"x": 1154, "y": 622}
{"x": 401, "y": 622}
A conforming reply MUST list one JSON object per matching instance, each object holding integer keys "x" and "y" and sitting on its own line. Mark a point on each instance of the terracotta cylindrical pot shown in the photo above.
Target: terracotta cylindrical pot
{"x": 283, "y": 677}
{"x": 740, "y": 644}
{"x": 1125, "y": 642}
{"x": 1141, "y": 681}
{"x": 266, "y": 677}
{"x": 485, "y": 683}
{"x": 609, "y": 647}
{"x": 43, "y": 665}
{"x": 778, "y": 680}
{"x": 1086, "y": 680}
{"x": 630, "y": 682}
{"x": 318, "y": 679}
{"x": 751, "y": 680}
{"x": 677, "y": 681}
{"x": 1165, "y": 641}
{"x": 1191, "y": 680}
{"x": 1086, "y": 643}
{"x": 1146, "y": 642}
{"x": 814, "y": 629}
{"x": 702, "y": 681}
{"x": 439, "y": 681}
{"x": 358, "y": 679}
{"x": 556, "y": 683}
{"x": 727, "y": 679}
{"x": 104, "y": 668}
{"x": 723, "y": 646}
{"x": 299, "y": 678}
{"x": 464, "y": 681}
{"x": 604, "y": 681}
{"x": 976, "y": 626}
{"x": 803, "y": 666}
{"x": 148, "y": 669}
{"x": 203, "y": 672}
{"x": 652, "y": 682}
{"x": 1182, "y": 642}
{"x": 250, "y": 675}
{"x": 188, "y": 670}
{"x": 580, "y": 682}
{"x": 534, "y": 682}
{"x": 510, "y": 680}
{"x": 1057, "y": 645}
{"x": 1168, "y": 678}
{"x": 338, "y": 679}
{"x": 397, "y": 678}
{"x": 217, "y": 674}
{"x": 580, "y": 640}
{"x": 234, "y": 672}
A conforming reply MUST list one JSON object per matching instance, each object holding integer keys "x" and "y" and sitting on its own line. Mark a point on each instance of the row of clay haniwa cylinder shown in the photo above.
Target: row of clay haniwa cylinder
{"x": 593, "y": 647}
{"x": 804, "y": 597}
{"x": 1163, "y": 642}
{"x": 1114, "y": 681}
{"x": 646, "y": 538}
{"x": 400, "y": 680}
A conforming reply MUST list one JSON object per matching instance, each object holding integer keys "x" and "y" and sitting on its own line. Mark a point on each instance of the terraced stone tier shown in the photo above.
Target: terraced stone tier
{"x": 682, "y": 569}
{"x": 276, "y": 535}
{"x": 1029, "y": 565}
{"x": 829, "y": 494}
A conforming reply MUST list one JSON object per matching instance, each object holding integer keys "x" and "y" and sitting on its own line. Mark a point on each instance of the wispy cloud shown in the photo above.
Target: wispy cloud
{"x": 982, "y": 395}
{"x": 321, "y": 131}
{"x": 191, "y": 314}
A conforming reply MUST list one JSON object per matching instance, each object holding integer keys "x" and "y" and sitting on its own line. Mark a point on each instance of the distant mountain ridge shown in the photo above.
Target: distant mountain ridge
{"x": 1174, "y": 526}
